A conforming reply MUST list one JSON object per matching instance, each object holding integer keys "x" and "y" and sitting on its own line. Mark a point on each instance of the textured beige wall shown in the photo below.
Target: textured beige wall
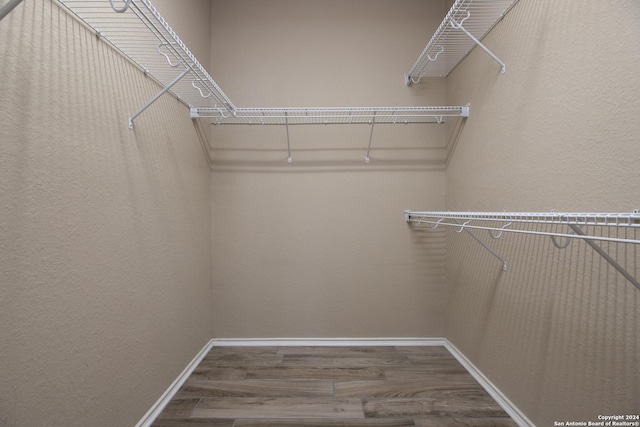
{"x": 319, "y": 248}
{"x": 559, "y": 332}
{"x": 105, "y": 265}
{"x": 106, "y": 257}
{"x": 190, "y": 20}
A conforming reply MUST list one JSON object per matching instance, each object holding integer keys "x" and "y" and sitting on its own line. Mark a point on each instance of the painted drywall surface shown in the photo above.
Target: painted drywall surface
{"x": 318, "y": 247}
{"x": 324, "y": 258}
{"x": 328, "y": 53}
{"x": 559, "y": 331}
{"x": 105, "y": 250}
{"x": 190, "y": 21}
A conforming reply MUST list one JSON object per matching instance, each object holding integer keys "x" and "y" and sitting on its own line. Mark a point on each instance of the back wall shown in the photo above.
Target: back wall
{"x": 318, "y": 247}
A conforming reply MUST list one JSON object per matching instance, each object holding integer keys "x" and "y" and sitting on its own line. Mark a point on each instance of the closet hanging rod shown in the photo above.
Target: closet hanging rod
{"x": 463, "y": 28}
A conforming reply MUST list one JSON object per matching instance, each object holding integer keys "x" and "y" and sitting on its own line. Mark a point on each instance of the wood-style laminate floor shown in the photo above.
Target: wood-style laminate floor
{"x": 331, "y": 387}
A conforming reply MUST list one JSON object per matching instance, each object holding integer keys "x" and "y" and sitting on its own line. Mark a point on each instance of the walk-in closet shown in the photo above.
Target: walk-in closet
{"x": 252, "y": 213}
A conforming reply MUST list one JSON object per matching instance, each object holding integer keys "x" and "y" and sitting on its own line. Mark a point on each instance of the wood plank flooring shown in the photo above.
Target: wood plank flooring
{"x": 331, "y": 387}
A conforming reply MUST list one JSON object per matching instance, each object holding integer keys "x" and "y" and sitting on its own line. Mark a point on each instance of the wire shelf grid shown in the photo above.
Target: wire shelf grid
{"x": 502, "y": 221}
{"x": 595, "y": 229}
{"x": 142, "y": 35}
{"x": 449, "y": 45}
{"x": 568, "y": 218}
{"x": 340, "y": 115}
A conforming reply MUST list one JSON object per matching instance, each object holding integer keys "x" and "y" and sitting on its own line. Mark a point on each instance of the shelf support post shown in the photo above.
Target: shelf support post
{"x": 606, "y": 256}
{"x": 459, "y": 26}
{"x": 162, "y": 92}
{"x": 504, "y": 263}
{"x": 286, "y": 122}
{"x": 373, "y": 122}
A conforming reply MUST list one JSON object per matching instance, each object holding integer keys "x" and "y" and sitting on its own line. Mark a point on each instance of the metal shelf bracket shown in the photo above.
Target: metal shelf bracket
{"x": 606, "y": 256}
{"x": 463, "y": 28}
{"x": 458, "y": 26}
{"x": 158, "y": 95}
{"x": 464, "y": 228}
{"x": 4, "y": 11}
{"x": 373, "y": 122}
{"x": 286, "y": 118}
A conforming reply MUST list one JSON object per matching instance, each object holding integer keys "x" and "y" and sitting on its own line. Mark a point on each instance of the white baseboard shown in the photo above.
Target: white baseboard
{"x": 166, "y": 397}
{"x": 502, "y": 400}
{"x": 326, "y": 342}
{"x": 508, "y": 406}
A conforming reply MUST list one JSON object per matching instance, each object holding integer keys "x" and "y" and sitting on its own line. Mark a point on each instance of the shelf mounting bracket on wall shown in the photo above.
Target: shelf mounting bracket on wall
{"x": 286, "y": 119}
{"x": 373, "y": 122}
{"x": 464, "y": 228}
{"x": 158, "y": 95}
{"x": 606, "y": 256}
{"x": 458, "y": 26}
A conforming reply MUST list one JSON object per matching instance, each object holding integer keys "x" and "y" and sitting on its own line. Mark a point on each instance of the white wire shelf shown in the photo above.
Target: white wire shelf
{"x": 465, "y": 25}
{"x": 566, "y": 225}
{"x": 142, "y": 35}
{"x": 340, "y": 115}
{"x": 330, "y": 116}
{"x": 559, "y": 218}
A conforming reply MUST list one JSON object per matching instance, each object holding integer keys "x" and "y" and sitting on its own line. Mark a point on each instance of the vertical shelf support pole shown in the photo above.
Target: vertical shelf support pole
{"x": 162, "y": 92}
{"x": 459, "y": 26}
{"x": 373, "y": 122}
{"x": 286, "y": 122}
{"x": 606, "y": 256}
